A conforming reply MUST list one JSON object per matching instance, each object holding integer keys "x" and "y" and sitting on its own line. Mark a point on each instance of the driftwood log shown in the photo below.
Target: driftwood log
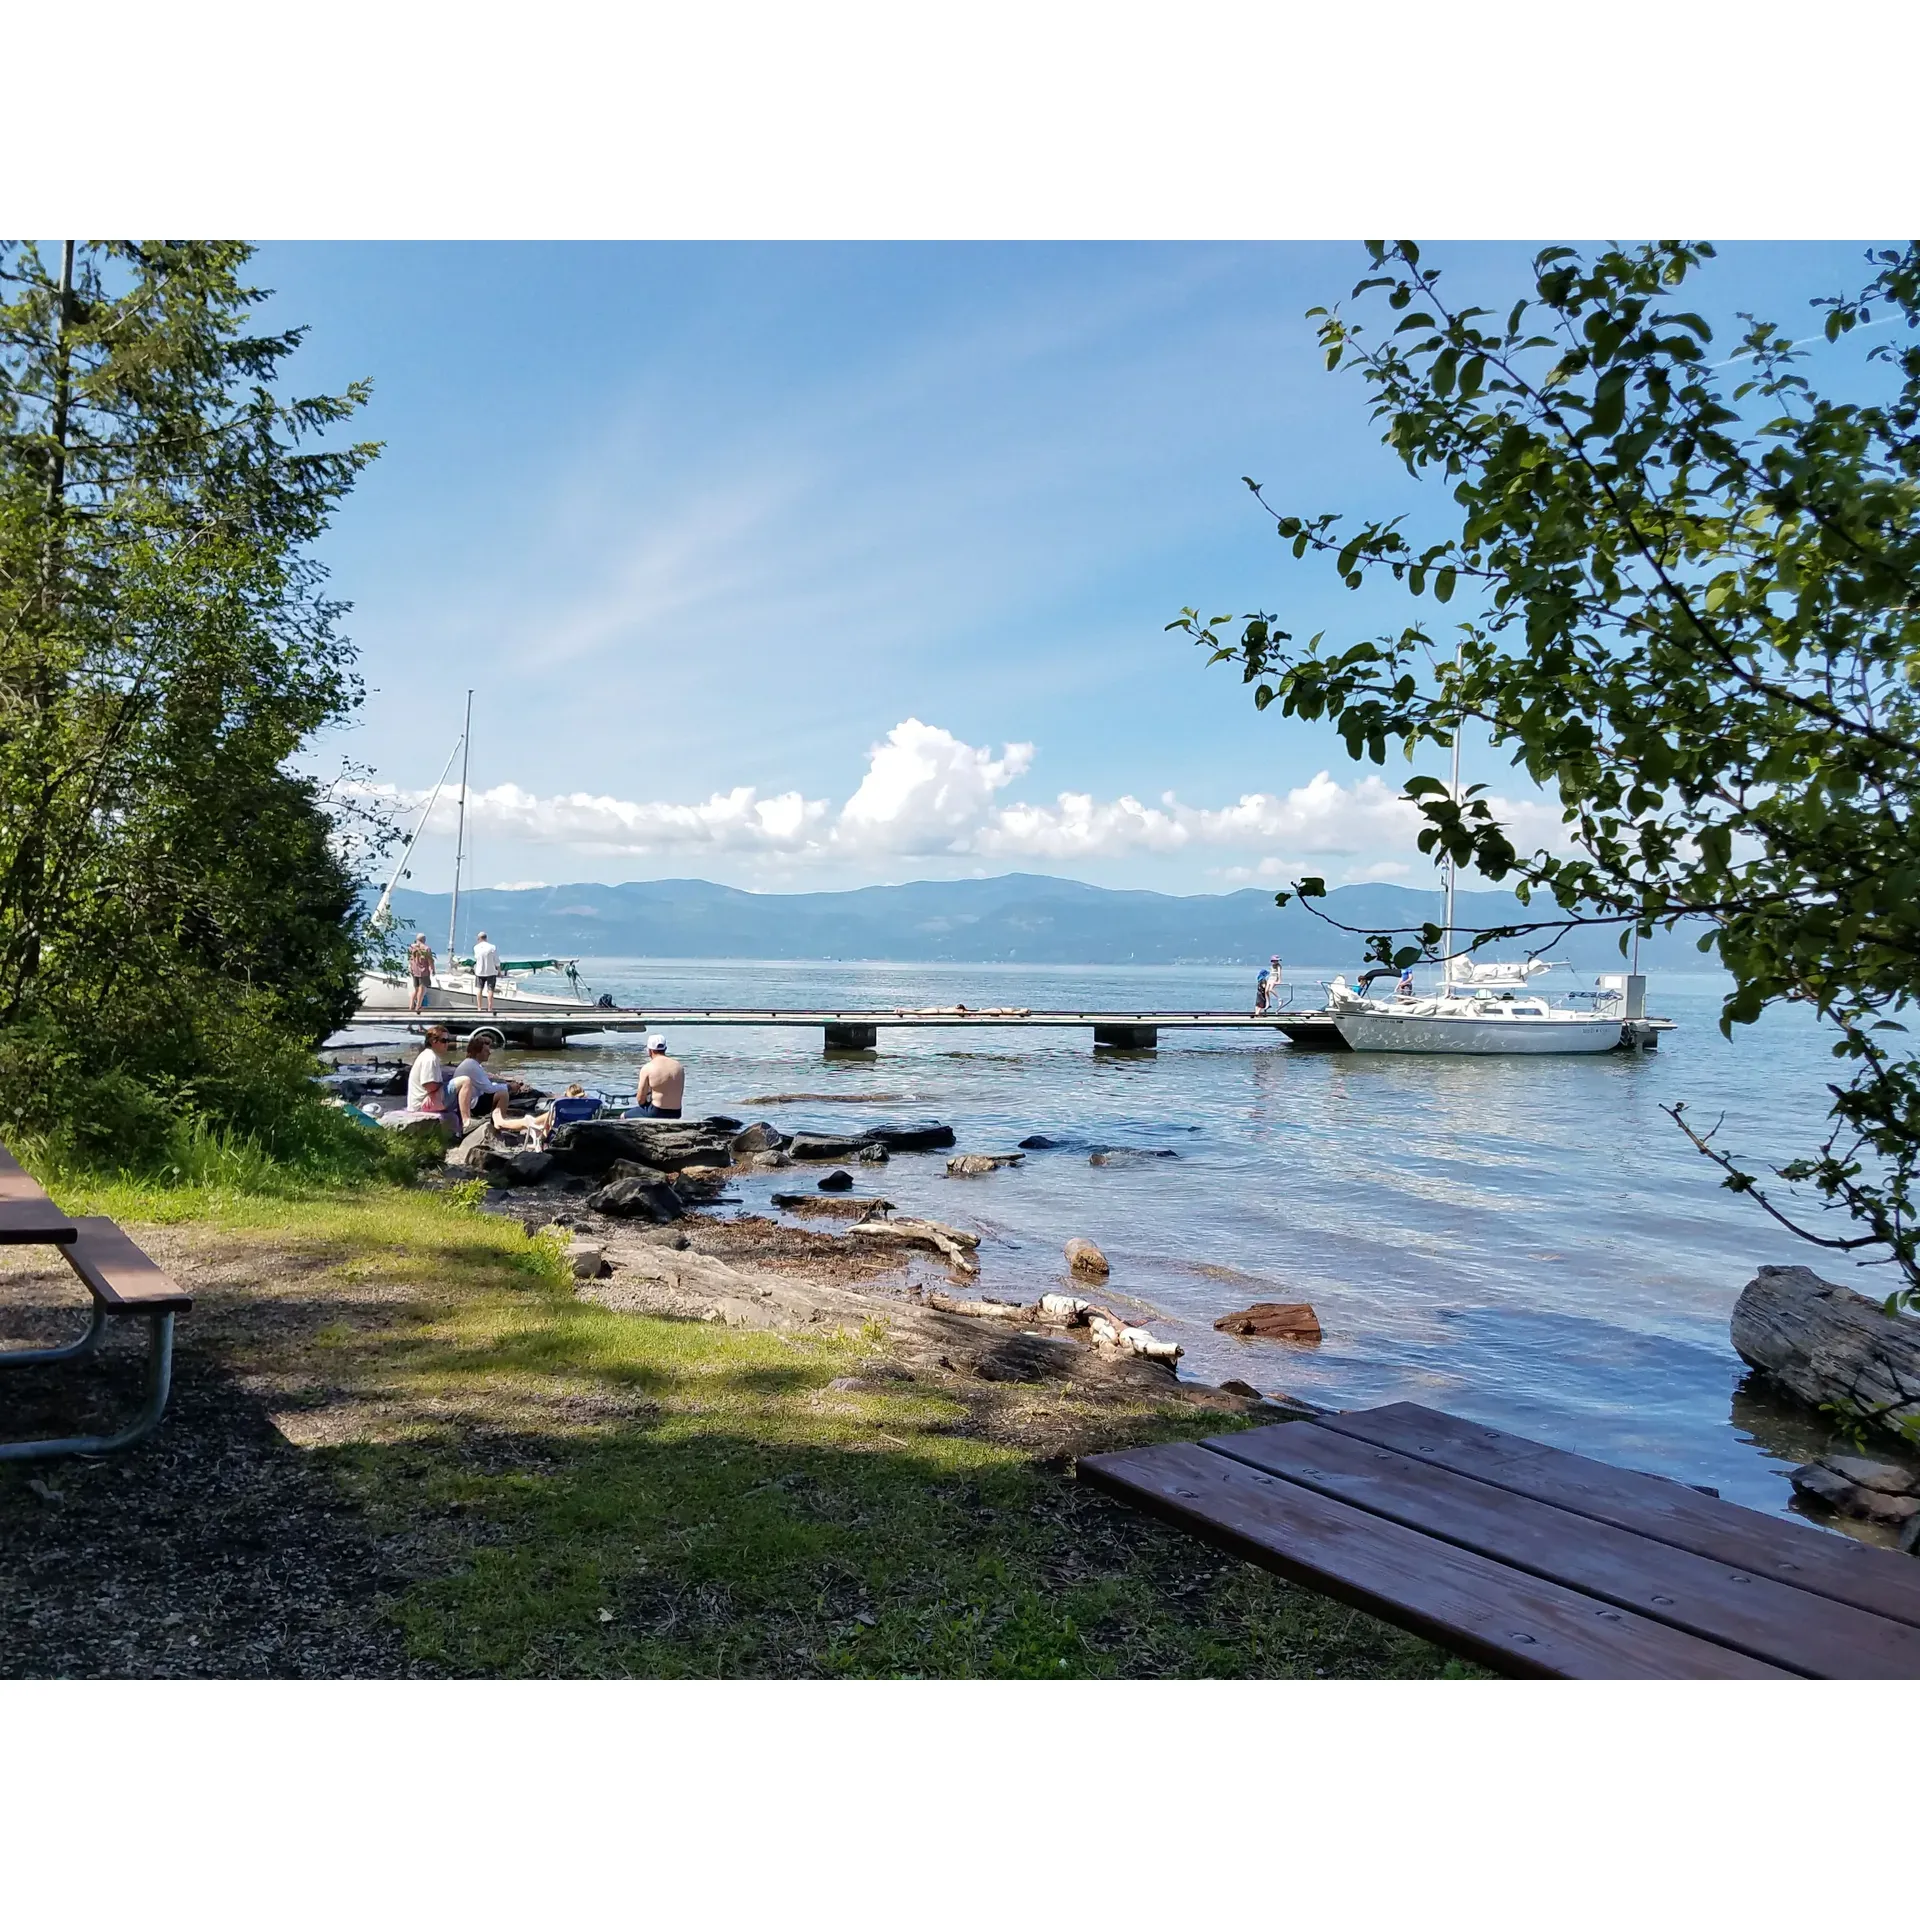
{"x": 1271, "y": 1320}
{"x": 1831, "y": 1347}
{"x": 1068, "y": 1310}
{"x": 954, "y": 1242}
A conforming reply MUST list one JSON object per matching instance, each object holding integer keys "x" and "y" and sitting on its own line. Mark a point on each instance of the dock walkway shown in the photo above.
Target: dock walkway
{"x": 858, "y": 1029}
{"x": 854, "y": 1029}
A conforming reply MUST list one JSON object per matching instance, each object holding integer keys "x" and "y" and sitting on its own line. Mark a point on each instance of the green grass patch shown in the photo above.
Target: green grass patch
{"x": 592, "y": 1493}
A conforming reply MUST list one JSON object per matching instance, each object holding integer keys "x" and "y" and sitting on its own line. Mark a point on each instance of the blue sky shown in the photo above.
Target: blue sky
{"x": 802, "y": 565}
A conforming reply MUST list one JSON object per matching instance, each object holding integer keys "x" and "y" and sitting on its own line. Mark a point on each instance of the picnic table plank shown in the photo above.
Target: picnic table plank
{"x": 27, "y": 1217}
{"x": 119, "y": 1275}
{"x": 1505, "y": 1618}
{"x": 1787, "y": 1626}
{"x": 1860, "y": 1576}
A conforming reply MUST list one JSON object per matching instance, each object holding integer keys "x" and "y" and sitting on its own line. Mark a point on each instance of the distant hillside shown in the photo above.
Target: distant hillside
{"x": 1016, "y": 917}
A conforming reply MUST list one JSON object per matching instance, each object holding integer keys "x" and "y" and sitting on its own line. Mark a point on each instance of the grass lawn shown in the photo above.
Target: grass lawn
{"x": 575, "y": 1491}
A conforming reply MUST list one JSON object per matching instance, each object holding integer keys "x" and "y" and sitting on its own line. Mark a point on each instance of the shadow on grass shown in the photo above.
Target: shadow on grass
{"x": 717, "y": 1553}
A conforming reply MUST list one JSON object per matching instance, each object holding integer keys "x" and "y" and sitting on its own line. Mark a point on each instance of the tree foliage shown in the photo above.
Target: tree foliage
{"x": 175, "y": 918}
{"x": 1692, "y": 615}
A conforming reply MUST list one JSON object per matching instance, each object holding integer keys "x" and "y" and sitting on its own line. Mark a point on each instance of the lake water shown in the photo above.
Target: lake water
{"x": 1527, "y": 1242}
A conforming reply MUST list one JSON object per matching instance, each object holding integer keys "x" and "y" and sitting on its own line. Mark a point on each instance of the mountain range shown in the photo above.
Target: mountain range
{"x": 1014, "y": 917}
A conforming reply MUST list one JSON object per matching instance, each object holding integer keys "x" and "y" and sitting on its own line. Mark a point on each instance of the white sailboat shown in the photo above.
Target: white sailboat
{"x": 1476, "y": 1009}
{"x": 1478, "y": 1006}
{"x": 452, "y": 988}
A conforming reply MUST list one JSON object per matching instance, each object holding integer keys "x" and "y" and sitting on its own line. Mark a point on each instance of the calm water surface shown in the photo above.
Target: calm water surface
{"x": 1529, "y": 1242}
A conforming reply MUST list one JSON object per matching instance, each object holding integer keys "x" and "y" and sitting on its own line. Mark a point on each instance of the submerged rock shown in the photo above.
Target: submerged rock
{"x": 874, "y": 1156}
{"x": 837, "y": 1181}
{"x": 1104, "y": 1156}
{"x": 1037, "y": 1143}
{"x": 964, "y": 1165}
{"x": 1086, "y": 1260}
{"x": 844, "y": 1146}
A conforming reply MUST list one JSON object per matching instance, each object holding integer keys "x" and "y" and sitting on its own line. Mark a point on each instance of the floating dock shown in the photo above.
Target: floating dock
{"x": 858, "y": 1030}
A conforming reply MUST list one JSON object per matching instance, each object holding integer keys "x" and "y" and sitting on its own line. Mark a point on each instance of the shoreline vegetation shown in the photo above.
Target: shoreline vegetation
{"x": 406, "y": 1440}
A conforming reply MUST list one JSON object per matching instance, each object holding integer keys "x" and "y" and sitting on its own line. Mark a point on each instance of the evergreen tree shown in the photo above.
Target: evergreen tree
{"x": 175, "y": 918}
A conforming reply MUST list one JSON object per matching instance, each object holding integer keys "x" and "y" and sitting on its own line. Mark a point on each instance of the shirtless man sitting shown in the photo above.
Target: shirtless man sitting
{"x": 662, "y": 1085}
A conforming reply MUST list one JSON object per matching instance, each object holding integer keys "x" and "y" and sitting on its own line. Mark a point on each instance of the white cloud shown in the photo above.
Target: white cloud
{"x": 926, "y": 792}
{"x": 929, "y": 795}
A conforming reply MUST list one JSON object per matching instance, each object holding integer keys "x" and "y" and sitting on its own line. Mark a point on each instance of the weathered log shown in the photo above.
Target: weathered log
{"x": 1270, "y": 1320}
{"x": 1831, "y": 1347}
{"x": 1086, "y": 1260}
{"x": 846, "y": 1206}
{"x": 953, "y": 1242}
{"x": 979, "y": 1309}
{"x": 1110, "y": 1331}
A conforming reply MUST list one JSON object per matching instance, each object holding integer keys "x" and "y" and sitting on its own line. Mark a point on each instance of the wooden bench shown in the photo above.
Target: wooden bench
{"x": 120, "y": 1279}
{"x": 1531, "y": 1560}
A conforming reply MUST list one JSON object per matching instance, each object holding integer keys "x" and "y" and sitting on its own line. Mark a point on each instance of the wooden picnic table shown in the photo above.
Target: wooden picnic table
{"x": 120, "y": 1279}
{"x": 1529, "y": 1559}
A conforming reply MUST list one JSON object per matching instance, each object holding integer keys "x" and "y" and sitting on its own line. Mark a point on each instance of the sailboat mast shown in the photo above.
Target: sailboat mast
{"x": 1453, "y": 793}
{"x": 460, "y": 830}
{"x": 384, "y": 911}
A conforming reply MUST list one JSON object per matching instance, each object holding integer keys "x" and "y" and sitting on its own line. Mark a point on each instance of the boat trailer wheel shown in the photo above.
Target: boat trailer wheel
{"x": 492, "y": 1035}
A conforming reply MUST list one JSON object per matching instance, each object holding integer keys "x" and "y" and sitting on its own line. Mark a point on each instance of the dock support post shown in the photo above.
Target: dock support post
{"x": 851, "y": 1036}
{"x": 1130, "y": 1038}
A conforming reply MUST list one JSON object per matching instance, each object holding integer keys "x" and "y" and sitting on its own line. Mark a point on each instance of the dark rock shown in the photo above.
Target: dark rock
{"x": 633, "y": 1170}
{"x": 1877, "y": 1476}
{"x": 1817, "y": 1484}
{"x": 1103, "y": 1156}
{"x": 523, "y": 1169}
{"x": 1241, "y": 1388}
{"x": 874, "y": 1156}
{"x": 1909, "y": 1541}
{"x": 758, "y": 1138}
{"x": 592, "y": 1146}
{"x": 1267, "y": 1320}
{"x": 826, "y": 1146}
{"x": 1037, "y": 1143}
{"x": 842, "y": 1146}
{"x": 721, "y": 1123}
{"x": 700, "y": 1186}
{"x": 838, "y": 1181}
{"x": 922, "y": 1139}
{"x": 638, "y": 1200}
{"x": 1895, "y": 1509}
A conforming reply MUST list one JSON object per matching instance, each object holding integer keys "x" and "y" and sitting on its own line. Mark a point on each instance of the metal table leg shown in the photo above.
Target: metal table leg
{"x": 159, "y": 1384}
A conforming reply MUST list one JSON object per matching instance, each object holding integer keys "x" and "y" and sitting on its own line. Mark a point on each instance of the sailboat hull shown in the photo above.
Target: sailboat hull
{"x": 1393, "y": 1030}
{"x": 392, "y": 993}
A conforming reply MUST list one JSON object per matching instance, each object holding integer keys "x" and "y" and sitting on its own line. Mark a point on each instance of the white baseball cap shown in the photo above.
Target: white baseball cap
{"x": 656, "y": 1043}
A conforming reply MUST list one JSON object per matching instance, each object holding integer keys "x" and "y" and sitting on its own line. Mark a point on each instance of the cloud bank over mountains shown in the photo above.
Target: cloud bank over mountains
{"x": 929, "y": 797}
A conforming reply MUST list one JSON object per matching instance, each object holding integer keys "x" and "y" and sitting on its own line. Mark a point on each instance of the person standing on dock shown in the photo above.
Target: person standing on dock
{"x": 486, "y": 972}
{"x": 419, "y": 972}
{"x": 1266, "y": 986}
{"x": 662, "y": 1087}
